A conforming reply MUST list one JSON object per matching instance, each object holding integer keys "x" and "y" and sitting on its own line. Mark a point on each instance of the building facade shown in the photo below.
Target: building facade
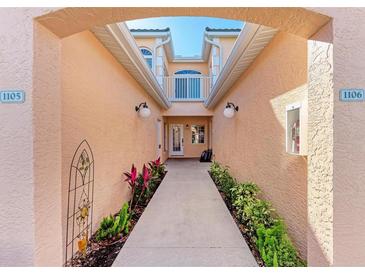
{"x": 83, "y": 73}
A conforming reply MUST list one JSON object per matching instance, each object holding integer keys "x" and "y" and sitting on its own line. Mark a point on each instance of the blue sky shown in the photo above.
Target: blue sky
{"x": 187, "y": 32}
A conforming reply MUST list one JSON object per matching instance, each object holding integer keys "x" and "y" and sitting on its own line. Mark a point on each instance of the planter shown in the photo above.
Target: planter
{"x": 103, "y": 253}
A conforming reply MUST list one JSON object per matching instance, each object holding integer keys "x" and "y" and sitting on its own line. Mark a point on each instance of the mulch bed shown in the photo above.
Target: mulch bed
{"x": 103, "y": 253}
{"x": 251, "y": 244}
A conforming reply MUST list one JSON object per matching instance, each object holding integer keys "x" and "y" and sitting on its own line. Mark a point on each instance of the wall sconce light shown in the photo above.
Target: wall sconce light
{"x": 230, "y": 110}
{"x": 143, "y": 110}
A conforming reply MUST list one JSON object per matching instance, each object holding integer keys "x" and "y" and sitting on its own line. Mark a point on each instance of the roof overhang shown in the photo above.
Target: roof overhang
{"x": 121, "y": 44}
{"x": 249, "y": 44}
{"x": 169, "y": 47}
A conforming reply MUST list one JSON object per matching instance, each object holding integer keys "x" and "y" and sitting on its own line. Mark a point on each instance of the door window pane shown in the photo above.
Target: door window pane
{"x": 176, "y": 139}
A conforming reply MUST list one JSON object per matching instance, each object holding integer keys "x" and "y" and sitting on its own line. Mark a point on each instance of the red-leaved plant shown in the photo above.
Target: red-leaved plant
{"x": 157, "y": 162}
{"x": 138, "y": 183}
{"x": 146, "y": 175}
{"x": 157, "y": 168}
{"x": 132, "y": 181}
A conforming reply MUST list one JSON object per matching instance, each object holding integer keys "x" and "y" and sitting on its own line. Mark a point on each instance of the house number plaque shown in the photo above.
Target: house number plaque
{"x": 352, "y": 95}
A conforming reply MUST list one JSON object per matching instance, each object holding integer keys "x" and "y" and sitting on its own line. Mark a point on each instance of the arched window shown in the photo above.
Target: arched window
{"x": 187, "y": 84}
{"x": 187, "y": 71}
{"x": 147, "y": 54}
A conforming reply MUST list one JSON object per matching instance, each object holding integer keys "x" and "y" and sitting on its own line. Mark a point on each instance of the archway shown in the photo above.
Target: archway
{"x": 65, "y": 22}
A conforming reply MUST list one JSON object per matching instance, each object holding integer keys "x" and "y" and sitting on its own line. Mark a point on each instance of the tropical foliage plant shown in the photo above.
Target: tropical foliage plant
{"x": 142, "y": 187}
{"x": 157, "y": 168}
{"x": 275, "y": 247}
{"x": 112, "y": 226}
{"x": 257, "y": 216}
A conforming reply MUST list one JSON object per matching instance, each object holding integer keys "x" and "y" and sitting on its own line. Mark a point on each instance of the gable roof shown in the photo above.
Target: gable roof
{"x": 223, "y": 30}
{"x": 169, "y": 49}
{"x": 150, "y": 30}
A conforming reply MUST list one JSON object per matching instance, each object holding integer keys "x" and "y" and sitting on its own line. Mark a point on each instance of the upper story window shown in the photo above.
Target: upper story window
{"x": 187, "y": 84}
{"x": 147, "y": 54}
{"x": 187, "y": 71}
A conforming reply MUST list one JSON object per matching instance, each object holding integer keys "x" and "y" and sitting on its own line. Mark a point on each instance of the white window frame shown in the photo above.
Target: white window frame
{"x": 147, "y": 56}
{"x": 204, "y": 130}
{"x": 291, "y": 107}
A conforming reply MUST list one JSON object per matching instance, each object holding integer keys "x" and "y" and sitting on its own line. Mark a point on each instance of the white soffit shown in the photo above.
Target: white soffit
{"x": 251, "y": 41}
{"x": 120, "y": 43}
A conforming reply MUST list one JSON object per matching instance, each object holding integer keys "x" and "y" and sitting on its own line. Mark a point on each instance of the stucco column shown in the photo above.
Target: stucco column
{"x": 349, "y": 138}
{"x": 320, "y": 153}
{"x": 21, "y": 149}
{"x": 348, "y": 38}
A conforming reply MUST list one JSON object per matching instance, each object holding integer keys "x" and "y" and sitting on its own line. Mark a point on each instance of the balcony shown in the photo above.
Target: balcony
{"x": 187, "y": 87}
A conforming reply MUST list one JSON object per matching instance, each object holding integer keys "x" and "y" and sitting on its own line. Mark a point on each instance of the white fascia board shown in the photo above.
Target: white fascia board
{"x": 188, "y": 60}
{"x": 125, "y": 40}
{"x": 169, "y": 50}
{"x": 222, "y": 33}
{"x": 147, "y": 34}
{"x": 243, "y": 41}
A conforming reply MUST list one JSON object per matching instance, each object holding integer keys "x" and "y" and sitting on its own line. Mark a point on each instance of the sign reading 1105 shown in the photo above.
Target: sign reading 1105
{"x": 12, "y": 96}
{"x": 351, "y": 95}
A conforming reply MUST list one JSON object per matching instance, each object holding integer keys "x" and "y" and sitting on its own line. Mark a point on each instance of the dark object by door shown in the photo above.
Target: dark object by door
{"x": 206, "y": 156}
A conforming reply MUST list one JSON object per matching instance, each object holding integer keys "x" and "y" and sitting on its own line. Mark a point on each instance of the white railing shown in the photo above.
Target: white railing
{"x": 187, "y": 87}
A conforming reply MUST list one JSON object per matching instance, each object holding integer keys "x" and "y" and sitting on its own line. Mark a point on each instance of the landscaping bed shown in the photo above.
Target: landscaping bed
{"x": 105, "y": 244}
{"x": 251, "y": 244}
{"x": 264, "y": 231}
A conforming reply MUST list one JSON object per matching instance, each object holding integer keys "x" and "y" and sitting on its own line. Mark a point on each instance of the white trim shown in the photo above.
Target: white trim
{"x": 293, "y": 106}
{"x": 159, "y": 138}
{"x": 222, "y": 33}
{"x": 171, "y": 152}
{"x": 251, "y": 41}
{"x": 205, "y": 136}
{"x": 119, "y": 41}
{"x": 188, "y": 60}
{"x": 147, "y": 34}
{"x": 290, "y": 107}
{"x": 185, "y": 100}
{"x": 155, "y": 47}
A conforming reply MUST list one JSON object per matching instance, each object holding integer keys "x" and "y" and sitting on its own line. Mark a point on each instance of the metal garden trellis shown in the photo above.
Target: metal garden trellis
{"x": 80, "y": 200}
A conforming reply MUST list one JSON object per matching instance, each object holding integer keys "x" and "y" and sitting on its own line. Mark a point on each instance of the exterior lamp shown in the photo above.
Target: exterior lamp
{"x": 143, "y": 110}
{"x": 230, "y": 110}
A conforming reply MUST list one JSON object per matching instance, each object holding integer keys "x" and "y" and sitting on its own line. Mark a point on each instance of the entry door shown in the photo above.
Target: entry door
{"x": 159, "y": 138}
{"x": 177, "y": 140}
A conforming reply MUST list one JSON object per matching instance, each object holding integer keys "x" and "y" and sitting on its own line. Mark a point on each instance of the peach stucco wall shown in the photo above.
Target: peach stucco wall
{"x": 98, "y": 99}
{"x": 16, "y": 152}
{"x": 21, "y": 161}
{"x": 227, "y": 44}
{"x": 253, "y": 142}
{"x": 346, "y": 149}
{"x": 201, "y": 67}
{"x": 145, "y": 42}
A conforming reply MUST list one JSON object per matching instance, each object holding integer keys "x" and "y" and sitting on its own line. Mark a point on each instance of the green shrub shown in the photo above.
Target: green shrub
{"x": 223, "y": 179}
{"x": 124, "y": 219}
{"x": 107, "y": 229}
{"x": 270, "y": 235}
{"x": 244, "y": 190}
{"x": 275, "y": 247}
{"x": 256, "y": 213}
{"x": 111, "y": 227}
{"x": 251, "y": 211}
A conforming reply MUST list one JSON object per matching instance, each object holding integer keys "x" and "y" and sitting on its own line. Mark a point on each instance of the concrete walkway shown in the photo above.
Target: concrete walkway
{"x": 186, "y": 224}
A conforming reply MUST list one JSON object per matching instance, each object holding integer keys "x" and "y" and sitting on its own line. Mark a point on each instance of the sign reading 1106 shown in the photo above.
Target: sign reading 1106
{"x": 351, "y": 95}
{"x": 12, "y": 96}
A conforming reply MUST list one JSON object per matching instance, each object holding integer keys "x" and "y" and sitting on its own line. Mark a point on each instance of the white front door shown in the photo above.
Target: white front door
{"x": 176, "y": 140}
{"x": 159, "y": 138}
